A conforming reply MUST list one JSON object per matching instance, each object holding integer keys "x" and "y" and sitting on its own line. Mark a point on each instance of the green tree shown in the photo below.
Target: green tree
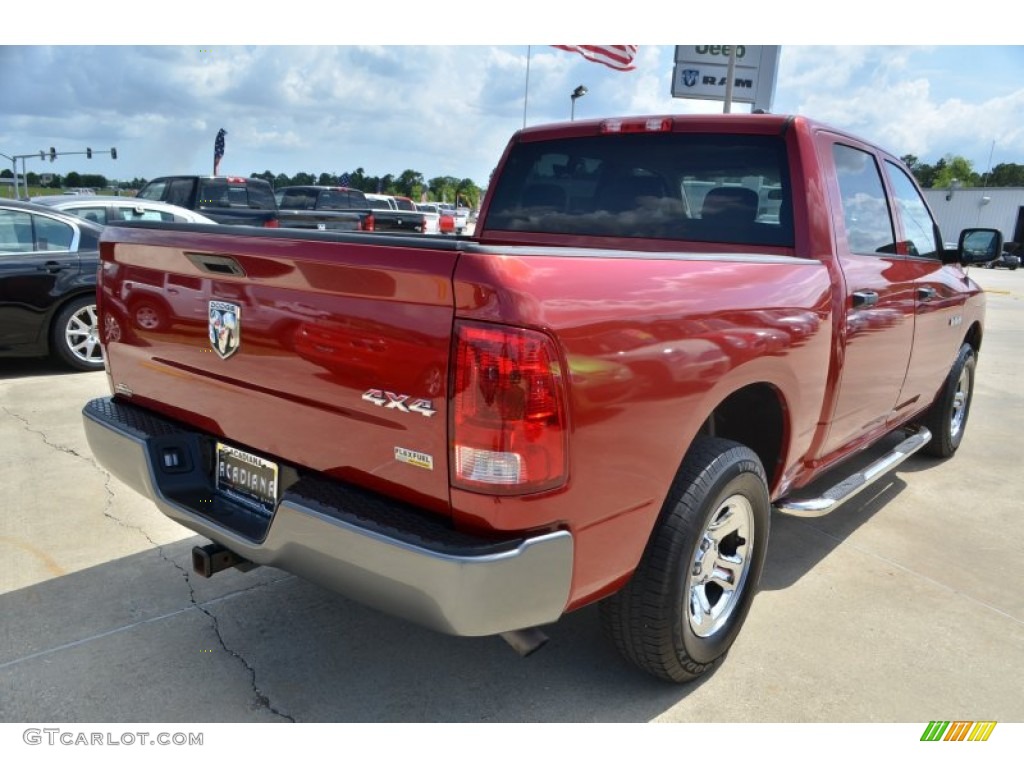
{"x": 327, "y": 180}
{"x": 409, "y": 183}
{"x": 955, "y": 167}
{"x": 73, "y": 179}
{"x": 282, "y": 180}
{"x": 303, "y": 178}
{"x": 1007, "y": 175}
{"x": 94, "y": 180}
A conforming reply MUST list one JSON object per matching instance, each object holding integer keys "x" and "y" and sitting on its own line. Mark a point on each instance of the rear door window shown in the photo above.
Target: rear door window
{"x": 867, "y": 219}
{"x": 179, "y": 192}
{"x": 53, "y": 235}
{"x": 96, "y": 213}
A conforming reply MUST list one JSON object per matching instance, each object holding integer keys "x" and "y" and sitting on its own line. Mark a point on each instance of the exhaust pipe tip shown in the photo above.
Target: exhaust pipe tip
{"x": 525, "y": 641}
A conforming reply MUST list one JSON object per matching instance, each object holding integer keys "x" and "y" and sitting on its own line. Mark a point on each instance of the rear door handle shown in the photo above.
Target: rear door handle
{"x": 864, "y": 298}
{"x": 926, "y": 292}
{"x": 53, "y": 267}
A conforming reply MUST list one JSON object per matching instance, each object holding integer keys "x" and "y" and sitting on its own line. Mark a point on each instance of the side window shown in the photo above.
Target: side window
{"x": 179, "y": 191}
{"x": 52, "y": 235}
{"x": 154, "y": 191}
{"x": 97, "y": 214}
{"x": 866, "y": 214}
{"x": 145, "y": 214}
{"x": 918, "y": 226}
{"x": 15, "y": 232}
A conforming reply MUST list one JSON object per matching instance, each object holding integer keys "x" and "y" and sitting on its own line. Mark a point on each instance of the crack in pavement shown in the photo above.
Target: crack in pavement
{"x": 262, "y": 699}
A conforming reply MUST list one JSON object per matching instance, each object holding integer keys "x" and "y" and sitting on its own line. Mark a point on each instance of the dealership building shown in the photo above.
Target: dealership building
{"x": 958, "y": 208}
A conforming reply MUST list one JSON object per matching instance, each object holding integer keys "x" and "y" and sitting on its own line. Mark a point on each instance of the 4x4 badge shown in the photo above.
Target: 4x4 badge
{"x": 225, "y": 328}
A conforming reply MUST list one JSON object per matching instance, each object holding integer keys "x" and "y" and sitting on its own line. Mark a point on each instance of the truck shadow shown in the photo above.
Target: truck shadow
{"x": 139, "y": 639}
{"x": 21, "y": 368}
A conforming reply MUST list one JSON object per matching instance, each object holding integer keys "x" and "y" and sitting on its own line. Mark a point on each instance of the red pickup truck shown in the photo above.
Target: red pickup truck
{"x": 662, "y": 330}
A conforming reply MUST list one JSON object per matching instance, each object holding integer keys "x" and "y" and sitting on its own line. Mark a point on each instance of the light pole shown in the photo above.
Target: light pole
{"x": 581, "y": 90}
{"x": 53, "y": 154}
{"x": 14, "y": 168}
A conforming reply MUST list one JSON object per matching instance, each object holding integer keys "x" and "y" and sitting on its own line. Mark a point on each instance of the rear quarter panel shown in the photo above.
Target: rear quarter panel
{"x": 651, "y": 343}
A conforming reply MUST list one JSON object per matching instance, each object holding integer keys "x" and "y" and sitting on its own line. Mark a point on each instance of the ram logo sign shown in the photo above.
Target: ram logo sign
{"x": 225, "y": 328}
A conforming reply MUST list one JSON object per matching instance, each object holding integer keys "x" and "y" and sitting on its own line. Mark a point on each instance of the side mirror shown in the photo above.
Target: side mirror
{"x": 978, "y": 246}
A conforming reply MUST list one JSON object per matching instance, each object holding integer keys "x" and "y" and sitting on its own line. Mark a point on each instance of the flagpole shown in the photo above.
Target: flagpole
{"x": 526, "y": 91}
{"x": 730, "y": 76}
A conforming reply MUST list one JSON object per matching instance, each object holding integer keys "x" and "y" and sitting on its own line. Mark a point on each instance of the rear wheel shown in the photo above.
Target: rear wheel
{"x": 947, "y": 418}
{"x": 74, "y": 336}
{"x": 685, "y": 603}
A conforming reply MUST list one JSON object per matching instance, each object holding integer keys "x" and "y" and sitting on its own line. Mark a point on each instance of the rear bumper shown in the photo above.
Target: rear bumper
{"x": 384, "y": 553}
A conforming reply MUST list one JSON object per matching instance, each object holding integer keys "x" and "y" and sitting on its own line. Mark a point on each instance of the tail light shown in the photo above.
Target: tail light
{"x": 368, "y": 224}
{"x": 273, "y": 223}
{"x": 508, "y": 417}
{"x": 637, "y": 125}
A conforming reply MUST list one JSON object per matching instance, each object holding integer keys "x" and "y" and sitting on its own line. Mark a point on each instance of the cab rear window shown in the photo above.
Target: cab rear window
{"x": 706, "y": 188}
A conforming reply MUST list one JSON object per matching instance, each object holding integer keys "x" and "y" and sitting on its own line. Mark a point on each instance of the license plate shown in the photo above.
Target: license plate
{"x": 247, "y": 478}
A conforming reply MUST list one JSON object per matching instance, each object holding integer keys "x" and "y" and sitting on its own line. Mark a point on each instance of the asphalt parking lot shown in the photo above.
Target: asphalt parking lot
{"x": 906, "y": 605}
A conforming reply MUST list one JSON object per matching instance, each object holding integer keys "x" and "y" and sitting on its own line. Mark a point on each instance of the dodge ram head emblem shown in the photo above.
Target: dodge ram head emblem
{"x": 225, "y": 328}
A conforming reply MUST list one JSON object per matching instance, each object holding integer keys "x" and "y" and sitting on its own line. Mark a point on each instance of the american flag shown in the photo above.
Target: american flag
{"x": 618, "y": 57}
{"x": 344, "y": 180}
{"x": 218, "y": 150}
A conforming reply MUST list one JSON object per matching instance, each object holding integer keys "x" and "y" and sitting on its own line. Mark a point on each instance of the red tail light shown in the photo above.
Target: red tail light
{"x": 508, "y": 418}
{"x": 368, "y": 223}
{"x": 637, "y": 125}
{"x": 272, "y": 223}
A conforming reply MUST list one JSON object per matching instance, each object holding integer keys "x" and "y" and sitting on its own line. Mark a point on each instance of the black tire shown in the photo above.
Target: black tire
{"x": 673, "y": 618}
{"x": 947, "y": 417}
{"x": 75, "y": 337}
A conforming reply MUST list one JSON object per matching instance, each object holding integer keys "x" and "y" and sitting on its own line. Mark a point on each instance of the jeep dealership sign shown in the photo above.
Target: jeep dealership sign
{"x": 701, "y": 72}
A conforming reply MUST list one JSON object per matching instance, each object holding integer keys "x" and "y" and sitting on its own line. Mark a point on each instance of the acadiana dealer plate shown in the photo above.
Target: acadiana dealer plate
{"x": 247, "y": 478}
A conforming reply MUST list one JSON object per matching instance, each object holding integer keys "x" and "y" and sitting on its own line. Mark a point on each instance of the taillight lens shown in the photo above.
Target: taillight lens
{"x": 508, "y": 416}
{"x": 368, "y": 223}
{"x": 274, "y": 223}
{"x": 637, "y": 125}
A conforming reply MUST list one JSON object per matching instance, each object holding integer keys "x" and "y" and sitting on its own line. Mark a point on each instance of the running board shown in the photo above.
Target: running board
{"x": 854, "y": 484}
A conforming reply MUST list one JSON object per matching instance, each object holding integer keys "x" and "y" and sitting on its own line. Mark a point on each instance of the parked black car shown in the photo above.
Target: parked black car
{"x": 1008, "y": 260}
{"x": 48, "y": 263}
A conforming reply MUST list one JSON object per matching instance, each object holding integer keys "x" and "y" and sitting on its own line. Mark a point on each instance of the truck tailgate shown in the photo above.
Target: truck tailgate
{"x": 317, "y": 351}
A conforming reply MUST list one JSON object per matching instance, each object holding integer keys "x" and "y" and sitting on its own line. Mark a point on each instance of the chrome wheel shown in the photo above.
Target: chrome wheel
{"x": 81, "y": 335}
{"x": 960, "y": 398}
{"x": 686, "y": 601}
{"x": 720, "y": 565}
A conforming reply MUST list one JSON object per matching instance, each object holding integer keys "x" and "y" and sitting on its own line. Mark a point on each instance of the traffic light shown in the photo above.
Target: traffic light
{"x": 113, "y": 153}
{"x": 88, "y": 153}
{"x": 53, "y": 154}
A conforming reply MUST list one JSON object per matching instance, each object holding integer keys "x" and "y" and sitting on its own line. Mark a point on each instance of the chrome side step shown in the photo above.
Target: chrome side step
{"x": 851, "y": 486}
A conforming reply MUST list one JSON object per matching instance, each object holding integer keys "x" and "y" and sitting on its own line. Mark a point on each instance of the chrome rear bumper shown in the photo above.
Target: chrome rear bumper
{"x": 383, "y": 553}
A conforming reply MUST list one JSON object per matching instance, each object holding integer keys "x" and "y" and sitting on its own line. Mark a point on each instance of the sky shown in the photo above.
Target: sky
{"x": 391, "y": 103}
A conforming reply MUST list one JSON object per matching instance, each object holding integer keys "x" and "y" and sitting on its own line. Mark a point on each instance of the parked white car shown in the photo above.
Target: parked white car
{"x": 109, "y": 209}
{"x": 432, "y": 223}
